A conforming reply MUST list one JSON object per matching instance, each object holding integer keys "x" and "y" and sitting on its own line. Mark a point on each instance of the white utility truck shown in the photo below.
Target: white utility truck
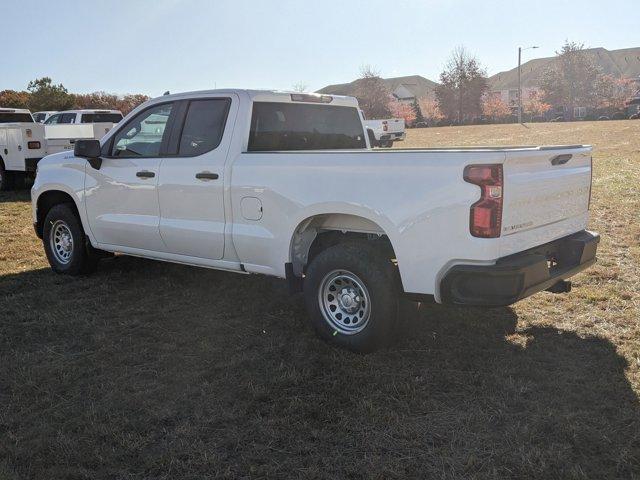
{"x": 23, "y": 141}
{"x": 286, "y": 185}
{"x": 62, "y": 129}
{"x": 22, "y": 145}
{"x": 385, "y": 131}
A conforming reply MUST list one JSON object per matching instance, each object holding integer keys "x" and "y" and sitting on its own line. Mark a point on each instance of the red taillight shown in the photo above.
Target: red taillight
{"x": 33, "y": 145}
{"x": 485, "y": 219}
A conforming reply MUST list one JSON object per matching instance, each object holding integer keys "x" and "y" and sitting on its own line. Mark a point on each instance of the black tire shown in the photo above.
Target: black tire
{"x": 379, "y": 277}
{"x": 6, "y": 179}
{"x": 62, "y": 221}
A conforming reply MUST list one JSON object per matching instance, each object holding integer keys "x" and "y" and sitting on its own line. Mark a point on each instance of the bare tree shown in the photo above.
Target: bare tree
{"x": 300, "y": 87}
{"x": 462, "y": 86}
{"x": 572, "y": 79}
{"x": 372, "y": 93}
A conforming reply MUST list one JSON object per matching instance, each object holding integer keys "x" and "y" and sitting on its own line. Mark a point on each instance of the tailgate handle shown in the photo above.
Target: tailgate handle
{"x": 561, "y": 159}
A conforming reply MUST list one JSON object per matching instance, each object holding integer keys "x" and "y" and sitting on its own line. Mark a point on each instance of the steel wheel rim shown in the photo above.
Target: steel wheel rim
{"x": 345, "y": 302}
{"x": 61, "y": 242}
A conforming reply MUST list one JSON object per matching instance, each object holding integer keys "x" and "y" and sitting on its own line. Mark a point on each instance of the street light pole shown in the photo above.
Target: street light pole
{"x": 519, "y": 85}
{"x": 520, "y": 81}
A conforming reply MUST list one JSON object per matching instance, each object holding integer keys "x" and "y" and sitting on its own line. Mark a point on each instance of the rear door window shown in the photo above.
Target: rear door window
{"x": 203, "y": 126}
{"x": 61, "y": 118}
{"x": 291, "y": 126}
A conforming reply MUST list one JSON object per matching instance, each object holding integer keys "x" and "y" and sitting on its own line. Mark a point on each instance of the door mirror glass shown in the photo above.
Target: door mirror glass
{"x": 87, "y": 148}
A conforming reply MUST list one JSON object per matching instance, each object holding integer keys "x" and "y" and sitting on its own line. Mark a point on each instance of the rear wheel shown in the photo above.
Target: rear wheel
{"x": 65, "y": 242}
{"x": 351, "y": 293}
{"x": 6, "y": 179}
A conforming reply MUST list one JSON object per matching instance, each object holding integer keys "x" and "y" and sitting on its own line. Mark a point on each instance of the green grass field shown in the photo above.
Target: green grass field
{"x": 149, "y": 370}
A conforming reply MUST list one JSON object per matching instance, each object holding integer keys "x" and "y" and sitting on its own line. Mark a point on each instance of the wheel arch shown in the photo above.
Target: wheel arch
{"x": 47, "y": 200}
{"x": 322, "y": 230}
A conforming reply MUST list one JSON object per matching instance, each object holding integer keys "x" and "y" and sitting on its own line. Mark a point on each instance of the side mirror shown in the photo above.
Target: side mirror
{"x": 89, "y": 149}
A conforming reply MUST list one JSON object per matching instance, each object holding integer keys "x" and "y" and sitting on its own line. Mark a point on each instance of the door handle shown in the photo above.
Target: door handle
{"x": 207, "y": 176}
{"x": 145, "y": 174}
{"x": 561, "y": 159}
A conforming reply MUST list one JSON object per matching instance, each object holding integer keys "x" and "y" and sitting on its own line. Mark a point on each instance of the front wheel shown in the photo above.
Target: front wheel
{"x": 65, "y": 242}
{"x": 351, "y": 293}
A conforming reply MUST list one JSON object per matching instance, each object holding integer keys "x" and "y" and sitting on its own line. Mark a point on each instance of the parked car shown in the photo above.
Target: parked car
{"x": 286, "y": 185}
{"x": 603, "y": 117}
{"x": 386, "y": 131}
{"x": 22, "y": 145}
{"x": 635, "y": 116}
{"x": 64, "y": 128}
{"x": 41, "y": 117}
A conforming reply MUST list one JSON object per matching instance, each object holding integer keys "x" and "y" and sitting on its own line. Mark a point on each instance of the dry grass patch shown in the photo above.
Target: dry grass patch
{"x": 150, "y": 370}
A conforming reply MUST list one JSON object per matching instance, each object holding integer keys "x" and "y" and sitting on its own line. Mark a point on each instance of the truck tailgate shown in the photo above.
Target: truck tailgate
{"x": 546, "y": 190}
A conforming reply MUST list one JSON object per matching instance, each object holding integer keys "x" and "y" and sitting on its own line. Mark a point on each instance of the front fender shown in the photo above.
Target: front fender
{"x": 64, "y": 173}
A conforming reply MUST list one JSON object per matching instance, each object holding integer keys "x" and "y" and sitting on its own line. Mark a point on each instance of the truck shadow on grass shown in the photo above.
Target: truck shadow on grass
{"x": 162, "y": 371}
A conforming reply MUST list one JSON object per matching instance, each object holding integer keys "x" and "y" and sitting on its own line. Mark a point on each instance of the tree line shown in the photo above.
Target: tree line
{"x": 43, "y": 95}
{"x": 463, "y": 94}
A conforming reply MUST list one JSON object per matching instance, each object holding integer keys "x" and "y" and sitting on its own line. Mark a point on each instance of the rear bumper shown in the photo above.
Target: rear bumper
{"x": 520, "y": 275}
{"x": 393, "y": 136}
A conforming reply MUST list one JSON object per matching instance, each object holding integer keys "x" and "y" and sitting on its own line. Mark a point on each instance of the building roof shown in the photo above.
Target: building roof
{"x": 416, "y": 84}
{"x": 624, "y": 62}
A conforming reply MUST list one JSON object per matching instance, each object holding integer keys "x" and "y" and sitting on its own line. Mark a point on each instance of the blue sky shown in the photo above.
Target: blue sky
{"x": 149, "y": 46}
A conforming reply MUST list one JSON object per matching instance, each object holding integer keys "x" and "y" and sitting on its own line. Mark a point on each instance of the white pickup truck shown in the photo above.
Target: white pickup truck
{"x": 22, "y": 145}
{"x": 62, "y": 129}
{"x": 286, "y": 185}
{"x": 385, "y": 131}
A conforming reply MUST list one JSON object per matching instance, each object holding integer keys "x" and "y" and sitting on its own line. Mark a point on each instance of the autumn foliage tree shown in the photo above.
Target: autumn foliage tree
{"x": 463, "y": 84}
{"x": 372, "y": 94}
{"x": 14, "y": 99}
{"x": 430, "y": 110}
{"x": 104, "y": 100}
{"x": 613, "y": 93}
{"x": 494, "y": 108}
{"x": 43, "y": 94}
{"x": 533, "y": 106}
{"x": 402, "y": 110}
